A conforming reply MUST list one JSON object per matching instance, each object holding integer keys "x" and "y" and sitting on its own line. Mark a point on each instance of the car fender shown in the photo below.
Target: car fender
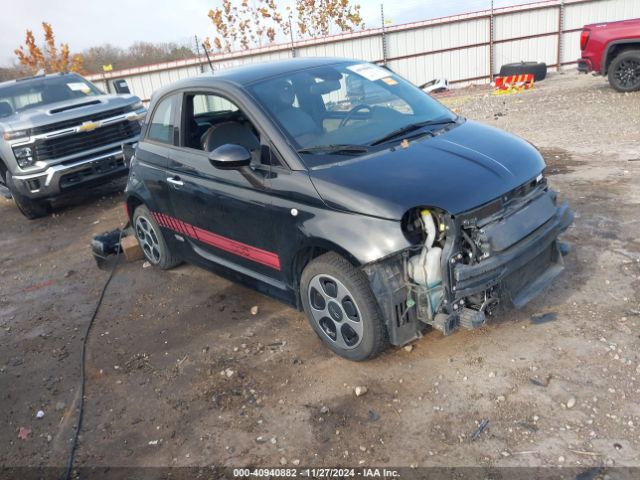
{"x": 137, "y": 193}
{"x": 605, "y": 57}
{"x": 358, "y": 238}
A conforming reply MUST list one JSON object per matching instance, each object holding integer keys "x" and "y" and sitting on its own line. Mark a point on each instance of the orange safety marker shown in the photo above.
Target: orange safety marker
{"x": 513, "y": 83}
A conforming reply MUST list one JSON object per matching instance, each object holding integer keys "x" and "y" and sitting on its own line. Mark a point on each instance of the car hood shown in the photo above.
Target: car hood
{"x": 66, "y": 110}
{"x": 462, "y": 168}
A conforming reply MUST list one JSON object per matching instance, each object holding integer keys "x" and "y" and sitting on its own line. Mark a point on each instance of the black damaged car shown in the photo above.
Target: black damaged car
{"x": 340, "y": 188}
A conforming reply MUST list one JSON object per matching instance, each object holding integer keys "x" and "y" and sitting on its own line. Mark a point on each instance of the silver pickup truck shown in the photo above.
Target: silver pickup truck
{"x": 59, "y": 132}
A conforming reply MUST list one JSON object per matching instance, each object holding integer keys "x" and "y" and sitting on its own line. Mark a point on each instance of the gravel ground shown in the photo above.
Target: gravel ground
{"x": 180, "y": 373}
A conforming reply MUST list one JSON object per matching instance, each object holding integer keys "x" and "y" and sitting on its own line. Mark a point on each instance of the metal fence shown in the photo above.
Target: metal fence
{"x": 462, "y": 48}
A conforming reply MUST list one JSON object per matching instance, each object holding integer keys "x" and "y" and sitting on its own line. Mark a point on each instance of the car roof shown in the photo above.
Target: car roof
{"x": 247, "y": 74}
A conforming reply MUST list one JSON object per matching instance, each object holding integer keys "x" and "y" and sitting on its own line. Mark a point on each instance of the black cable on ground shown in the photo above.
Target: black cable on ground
{"x": 74, "y": 444}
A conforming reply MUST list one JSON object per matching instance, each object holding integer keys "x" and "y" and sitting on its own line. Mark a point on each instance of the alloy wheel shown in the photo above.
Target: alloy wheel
{"x": 148, "y": 238}
{"x": 335, "y": 311}
{"x": 628, "y": 73}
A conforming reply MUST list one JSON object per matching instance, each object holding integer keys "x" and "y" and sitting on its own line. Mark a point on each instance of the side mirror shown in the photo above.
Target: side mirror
{"x": 230, "y": 156}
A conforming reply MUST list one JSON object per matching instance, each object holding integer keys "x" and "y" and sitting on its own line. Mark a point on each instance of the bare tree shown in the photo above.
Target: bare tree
{"x": 9, "y": 73}
{"x": 138, "y": 54}
{"x": 107, "y": 54}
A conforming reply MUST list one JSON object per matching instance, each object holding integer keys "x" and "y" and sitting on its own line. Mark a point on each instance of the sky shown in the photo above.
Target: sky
{"x": 86, "y": 23}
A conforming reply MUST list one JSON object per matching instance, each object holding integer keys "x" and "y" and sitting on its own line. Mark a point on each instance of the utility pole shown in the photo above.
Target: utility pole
{"x": 384, "y": 38}
{"x": 491, "y": 39}
{"x": 200, "y": 66}
{"x": 293, "y": 46}
{"x": 560, "y": 31}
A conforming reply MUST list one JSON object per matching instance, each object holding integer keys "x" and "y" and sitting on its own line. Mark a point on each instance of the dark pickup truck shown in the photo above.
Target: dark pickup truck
{"x": 613, "y": 49}
{"x": 59, "y": 132}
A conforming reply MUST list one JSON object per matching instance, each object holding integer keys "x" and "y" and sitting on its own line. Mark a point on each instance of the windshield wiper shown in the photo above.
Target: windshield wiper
{"x": 412, "y": 127}
{"x": 336, "y": 149}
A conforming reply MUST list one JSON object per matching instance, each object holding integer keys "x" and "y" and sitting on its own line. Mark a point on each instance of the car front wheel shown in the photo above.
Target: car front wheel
{"x": 342, "y": 309}
{"x": 624, "y": 71}
{"x": 151, "y": 240}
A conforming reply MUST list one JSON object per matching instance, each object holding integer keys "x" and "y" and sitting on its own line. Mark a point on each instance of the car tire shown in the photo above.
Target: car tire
{"x": 539, "y": 70}
{"x": 4, "y": 191}
{"x": 624, "y": 71}
{"x": 151, "y": 240}
{"x": 342, "y": 309}
{"x": 31, "y": 209}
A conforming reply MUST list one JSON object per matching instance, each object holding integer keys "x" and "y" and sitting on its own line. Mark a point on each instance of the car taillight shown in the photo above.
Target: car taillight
{"x": 584, "y": 38}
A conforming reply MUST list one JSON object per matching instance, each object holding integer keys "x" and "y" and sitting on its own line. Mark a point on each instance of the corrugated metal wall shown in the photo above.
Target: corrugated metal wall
{"x": 459, "y": 48}
{"x": 526, "y": 24}
{"x": 422, "y": 54}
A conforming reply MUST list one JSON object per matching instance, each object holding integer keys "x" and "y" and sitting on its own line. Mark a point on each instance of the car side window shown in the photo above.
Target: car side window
{"x": 204, "y": 105}
{"x": 161, "y": 127}
{"x": 211, "y": 121}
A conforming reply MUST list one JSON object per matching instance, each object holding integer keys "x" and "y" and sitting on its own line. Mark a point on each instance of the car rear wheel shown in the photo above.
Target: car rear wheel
{"x": 624, "y": 71}
{"x": 151, "y": 240}
{"x": 31, "y": 209}
{"x": 342, "y": 309}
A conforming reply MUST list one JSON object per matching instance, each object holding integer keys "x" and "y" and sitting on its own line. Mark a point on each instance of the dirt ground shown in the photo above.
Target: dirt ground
{"x": 180, "y": 373}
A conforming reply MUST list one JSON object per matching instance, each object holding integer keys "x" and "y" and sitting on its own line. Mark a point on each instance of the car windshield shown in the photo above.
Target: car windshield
{"x": 331, "y": 111}
{"x": 25, "y": 94}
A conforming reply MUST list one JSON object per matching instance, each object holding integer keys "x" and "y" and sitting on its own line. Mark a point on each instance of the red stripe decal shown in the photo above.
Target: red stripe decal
{"x": 237, "y": 248}
{"x": 176, "y": 224}
{"x": 255, "y": 254}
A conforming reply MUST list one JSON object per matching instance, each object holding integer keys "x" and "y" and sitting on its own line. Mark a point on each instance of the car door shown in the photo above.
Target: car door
{"x": 153, "y": 152}
{"x": 296, "y": 210}
{"x": 222, "y": 216}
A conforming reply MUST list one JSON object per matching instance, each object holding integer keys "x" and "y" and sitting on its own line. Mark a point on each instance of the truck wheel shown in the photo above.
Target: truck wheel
{"x": 4, "y": 191}
{"x": 539, "y": 70}
{"x": 341, "y": 308}
{"x": 31, "y": 209}
{"x": 624, "y": 71}
{"x": 151, "y": 240}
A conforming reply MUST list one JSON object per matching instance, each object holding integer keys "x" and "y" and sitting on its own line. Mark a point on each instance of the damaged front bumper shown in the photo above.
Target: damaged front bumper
{"x": 524, "y": 269}
{"x": 520, "y": 257}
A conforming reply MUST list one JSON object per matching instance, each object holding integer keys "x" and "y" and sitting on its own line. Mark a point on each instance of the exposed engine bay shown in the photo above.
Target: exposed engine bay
{"x": 461, "y": 268}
